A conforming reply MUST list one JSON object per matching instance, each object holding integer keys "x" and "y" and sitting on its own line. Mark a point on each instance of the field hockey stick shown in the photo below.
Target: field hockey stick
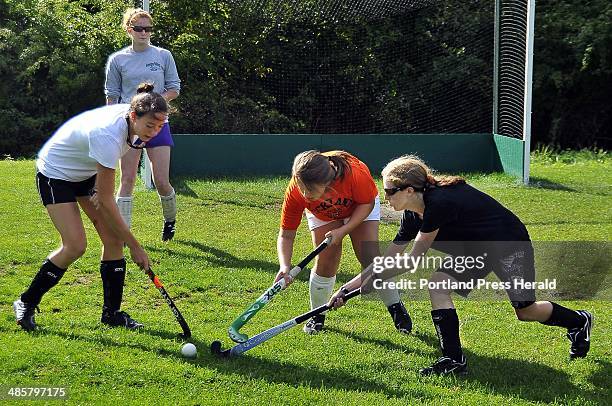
{"x": 177, "y": 314}
{"x": 264, "y": 336}
{"x": 233, "y": 330}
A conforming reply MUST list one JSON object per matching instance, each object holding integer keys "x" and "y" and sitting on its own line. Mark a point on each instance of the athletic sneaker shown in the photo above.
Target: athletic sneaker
{"x": 24, "y": 314}
{"x": 120, "y": 319}
{"x": 401, "y": 318}
{"x": 315, "y": 325}
{"x": 446, "y": 366}
{"x": 168, "y": 231}
{"x": 581, "y": 337}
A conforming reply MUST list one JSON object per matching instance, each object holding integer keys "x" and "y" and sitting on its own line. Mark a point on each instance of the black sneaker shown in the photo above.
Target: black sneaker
{"x": 401, "y": 318}
{"x": 168, "y": 231}
{"x": 24, "y": 314}
{"x": 581, "y": 337}
{"x": 120, "y": 319}
{"x": 446, "y": 366}
{"x": 315, "y": 325}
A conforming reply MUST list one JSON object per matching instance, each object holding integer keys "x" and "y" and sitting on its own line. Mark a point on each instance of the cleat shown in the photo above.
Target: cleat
{"x": 24, "y": 314}
{"x": 315, "y": 325}
{"x": 446, "y": 366}
{"x": 168, "y": 231}
{"x": 401, "y": 318}
{"x": 120, "y": 319}
{"x": 581, "y": 337}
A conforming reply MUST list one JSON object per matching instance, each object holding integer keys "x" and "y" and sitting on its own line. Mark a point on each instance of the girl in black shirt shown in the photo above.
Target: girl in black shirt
{"x": 438, "y": 210}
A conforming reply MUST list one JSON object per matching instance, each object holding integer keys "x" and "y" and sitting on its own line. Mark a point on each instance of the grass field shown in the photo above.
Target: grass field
{"x": 224, "y": 256}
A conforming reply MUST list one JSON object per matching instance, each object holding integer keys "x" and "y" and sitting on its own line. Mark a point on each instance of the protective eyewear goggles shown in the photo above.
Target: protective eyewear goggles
{"x": 140, "y": 28}
{"x": 394, "y": 190}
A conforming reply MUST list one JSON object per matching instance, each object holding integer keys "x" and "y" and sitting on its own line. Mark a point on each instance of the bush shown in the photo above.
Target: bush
{"x": 269, "y": 70}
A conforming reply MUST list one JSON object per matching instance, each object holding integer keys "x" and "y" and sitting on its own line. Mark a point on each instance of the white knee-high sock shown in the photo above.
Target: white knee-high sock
{"x": 389, "y": 296}
{"x": 321, "y": 289}
{"x": 125, "y": 205}
{"x": 168, "y": 204}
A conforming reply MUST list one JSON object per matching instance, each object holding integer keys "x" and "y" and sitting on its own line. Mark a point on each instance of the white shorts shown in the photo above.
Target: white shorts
{"x": 314, "y": 222}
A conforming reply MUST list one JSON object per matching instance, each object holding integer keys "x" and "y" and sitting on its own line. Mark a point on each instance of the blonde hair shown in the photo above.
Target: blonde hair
{"x": 410, "y": 170}
{"x": 133, "y": 14}
{"x": 313, "y": 168}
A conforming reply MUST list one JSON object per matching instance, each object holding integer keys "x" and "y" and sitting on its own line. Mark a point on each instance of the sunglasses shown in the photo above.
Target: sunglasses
{"x": 140, "y": 28}
{"x": 394, "y": 190}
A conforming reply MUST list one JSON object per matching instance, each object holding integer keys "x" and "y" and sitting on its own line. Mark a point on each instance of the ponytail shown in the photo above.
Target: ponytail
{"x": 146, "y": 101}
{"x": 412, "y": 171}
{"x": 313, "y": 168}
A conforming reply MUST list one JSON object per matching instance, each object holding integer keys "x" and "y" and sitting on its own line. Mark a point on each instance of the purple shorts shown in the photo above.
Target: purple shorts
{"x": 163, "y": 138}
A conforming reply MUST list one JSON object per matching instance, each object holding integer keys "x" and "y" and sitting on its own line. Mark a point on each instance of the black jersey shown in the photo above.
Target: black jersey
{"x": 461, "y": 212}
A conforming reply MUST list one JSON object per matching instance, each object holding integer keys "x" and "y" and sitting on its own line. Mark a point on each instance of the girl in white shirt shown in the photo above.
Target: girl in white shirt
{"x": 76, "y": 168}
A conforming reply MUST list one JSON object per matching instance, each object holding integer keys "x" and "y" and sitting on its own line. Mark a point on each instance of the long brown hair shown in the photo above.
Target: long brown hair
{"x": 410, "y": 170}
{"x": 313, "y": 168}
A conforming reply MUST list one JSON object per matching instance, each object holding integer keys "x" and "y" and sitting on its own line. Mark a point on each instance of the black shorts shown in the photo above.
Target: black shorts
{"x": 55, "y": 191}
{"x": 512, "y": 269}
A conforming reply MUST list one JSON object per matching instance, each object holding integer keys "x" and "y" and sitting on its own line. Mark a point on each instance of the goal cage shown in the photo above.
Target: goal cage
{"x": 449, "y": 81}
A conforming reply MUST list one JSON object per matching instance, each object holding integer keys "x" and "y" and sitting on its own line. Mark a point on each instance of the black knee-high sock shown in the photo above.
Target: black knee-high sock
{"x": 113, "y": 277}
{"x": 564, "y": 317}
{"x": 47, "y": 277}
{"x": 446, "y": 322}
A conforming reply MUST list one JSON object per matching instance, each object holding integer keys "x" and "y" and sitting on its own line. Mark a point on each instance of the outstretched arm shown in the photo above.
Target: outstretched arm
{"x": 104, "y": 201}
{"x": 422, "y": 243}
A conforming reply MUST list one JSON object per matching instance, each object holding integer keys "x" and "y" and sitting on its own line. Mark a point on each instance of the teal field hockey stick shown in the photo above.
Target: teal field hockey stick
{"x": 264, "y": 336}
{"x": 252, "y": 310}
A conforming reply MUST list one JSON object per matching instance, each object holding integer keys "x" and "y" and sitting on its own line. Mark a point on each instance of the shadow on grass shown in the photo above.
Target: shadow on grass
{"x": 529, "y": 380}
{"x": 244, "y": 365}
{"x": 241, "y": 203}
{"x": 299, "y": 375}
{"x": 182, "y": 188}
{"x": 384, "y": 343}
{"x": 543, "y": 183}
{"x": 515, "y": 378}
{"x": 108, "y": 341}
{"x": 428, "y": 339}
{"x": 216, "y": 257}
{"x": 601, "y": 379}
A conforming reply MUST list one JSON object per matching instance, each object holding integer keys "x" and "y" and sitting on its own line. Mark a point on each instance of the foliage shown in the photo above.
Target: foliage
{"x": 294, "y": 67}
{"x": 546, "y": 154}
{"x": 573, "y": 73}
{"x": 52, "y": 64}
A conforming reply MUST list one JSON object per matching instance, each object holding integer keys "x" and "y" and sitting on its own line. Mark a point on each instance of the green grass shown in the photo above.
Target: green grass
{"x": 224, "y": 256}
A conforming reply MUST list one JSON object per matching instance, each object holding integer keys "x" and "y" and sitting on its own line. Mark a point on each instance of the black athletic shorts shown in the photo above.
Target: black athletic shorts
{"x": 55, "y": 191}
{"x": 512, "y": 269}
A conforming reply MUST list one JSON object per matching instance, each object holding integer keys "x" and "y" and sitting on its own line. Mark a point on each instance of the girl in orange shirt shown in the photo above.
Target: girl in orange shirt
{"x": 340, "y": 198}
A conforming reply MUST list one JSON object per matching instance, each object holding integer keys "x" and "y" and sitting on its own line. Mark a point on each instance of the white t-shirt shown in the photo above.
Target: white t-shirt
{"x": 95, "y": 136}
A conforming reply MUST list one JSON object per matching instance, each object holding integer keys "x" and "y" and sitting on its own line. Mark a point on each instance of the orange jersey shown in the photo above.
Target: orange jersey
{"x": 356, "y": 187}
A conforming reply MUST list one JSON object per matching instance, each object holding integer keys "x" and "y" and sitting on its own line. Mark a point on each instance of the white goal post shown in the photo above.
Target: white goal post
{"x": 147, "y": 173}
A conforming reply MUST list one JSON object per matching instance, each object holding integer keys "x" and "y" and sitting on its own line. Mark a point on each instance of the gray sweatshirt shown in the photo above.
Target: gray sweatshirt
{"x": 126, "y": 69}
